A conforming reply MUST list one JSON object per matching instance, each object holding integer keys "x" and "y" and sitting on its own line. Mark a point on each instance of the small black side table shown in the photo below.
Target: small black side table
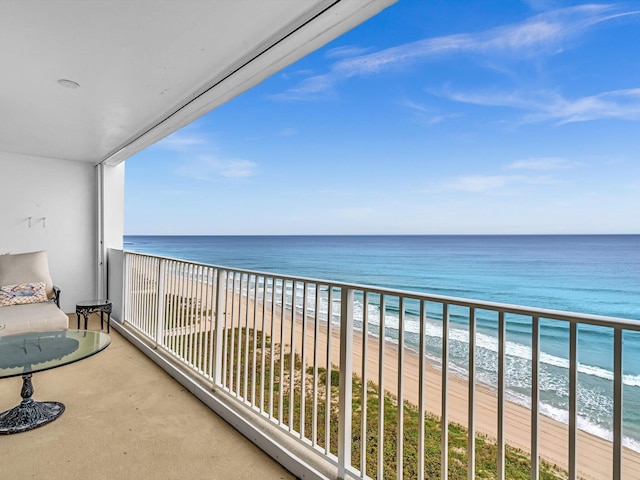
{"x": 87, "y": 307}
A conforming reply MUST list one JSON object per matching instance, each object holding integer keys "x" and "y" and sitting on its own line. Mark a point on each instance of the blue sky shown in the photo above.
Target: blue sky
{"x": 436, "y": 117}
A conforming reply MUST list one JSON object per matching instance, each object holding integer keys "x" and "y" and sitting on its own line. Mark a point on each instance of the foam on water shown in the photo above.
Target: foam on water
{"x": 593, "y": 399}
{"x": 487, "y": 342}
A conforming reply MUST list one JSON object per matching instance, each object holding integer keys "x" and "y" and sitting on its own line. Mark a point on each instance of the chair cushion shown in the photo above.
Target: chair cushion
{"x": 26, "y": 268}
{"x": 34, "y": 317}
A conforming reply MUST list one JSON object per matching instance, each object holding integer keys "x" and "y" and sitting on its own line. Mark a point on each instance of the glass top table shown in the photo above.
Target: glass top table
{"x": 28, "y": 353}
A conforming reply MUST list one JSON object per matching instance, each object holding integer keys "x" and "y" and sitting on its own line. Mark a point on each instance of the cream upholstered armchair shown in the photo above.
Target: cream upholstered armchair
{"x": 29, "y": 302}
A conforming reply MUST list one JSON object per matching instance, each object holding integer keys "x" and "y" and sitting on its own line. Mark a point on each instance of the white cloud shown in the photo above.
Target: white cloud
{"x": 346, "y": 51}
{"x": 182, "y": 140}
{"x": 425, "y": 115}
{"x": 551, "y": 106}
{"x": 312, "y": 88}
{"x": 287, "y": 132}
{"x": 481, "y": 183}
{"x": 296, "y": 73}
{"x": 199, "y": 163}
{"x": 545, "y": 33}
{"x": 542, "y": 164}
{"x": 500, "y": 183}
{"x": 209, "y": 167}
{"x": 414, "y": 106}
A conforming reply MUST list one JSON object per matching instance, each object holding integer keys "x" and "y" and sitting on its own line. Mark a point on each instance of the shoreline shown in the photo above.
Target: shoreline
{"x": 436, "y": 364}
{"x": 594, "y": 454}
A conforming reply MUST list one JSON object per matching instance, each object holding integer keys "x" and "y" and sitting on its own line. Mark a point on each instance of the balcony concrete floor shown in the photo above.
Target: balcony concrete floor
{"x": 125, "y": 418}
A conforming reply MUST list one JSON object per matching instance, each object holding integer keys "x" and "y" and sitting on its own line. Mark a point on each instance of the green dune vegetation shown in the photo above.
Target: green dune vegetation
{"x": 276, "y": 371}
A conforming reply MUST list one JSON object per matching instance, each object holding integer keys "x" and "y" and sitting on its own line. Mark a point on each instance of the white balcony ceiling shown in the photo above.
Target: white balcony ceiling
{"x": 145, "y": 68}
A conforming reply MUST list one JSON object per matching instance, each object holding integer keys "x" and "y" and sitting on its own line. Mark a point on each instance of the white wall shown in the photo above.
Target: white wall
{"x": 66, "y": 194}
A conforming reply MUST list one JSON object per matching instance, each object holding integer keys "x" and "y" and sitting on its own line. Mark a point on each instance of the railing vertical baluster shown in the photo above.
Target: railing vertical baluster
{"x": 316, "y": 336}
{"x": 135, "y": 281}
{"x": 327, "y": 416}
{"x": 142, "y": 297}
{"x": 182, "y": 311}
{"x": 156, "y": 298}
{"x": 345, "y": 403}
{"x": 245, "y": 393}
{"x": 140, "y": 321}
{"x": 256, "y": 289}
{"x": 226, "y": 334}
{"x": 263, "y": 345}
{"x": 219, "y": 327}
{"x": 136, "y": 299}
{"x": 232, "y": 332}
{"x": 142, "y": 318}
{"x": 535, "y": 397}
{"x": 135, "y": 294}
{"x": 444, "y": 419}
{"x": 193, "y": 327}
{"x": 471, "y": 421}
{"x": 172, "y": 307}
{"x": 193, "y": 315}
{"x": 272, "y": 345}
{"x": 617, "y": 403}
{"x": 147, "y": 313}
{"x": 381, "y": 360}
{"x": 195, "y": 318}
{"x": 209, "y": 312}
{"x": 303, "y": 355}
{"x": 160, "y": 304}
{"x": 363, "y": 393}
{"x": 400, "y": 392}
{"x": 573, "y": 400}
{"x": 238, "y": 365}
{"x": 193, "y": 351}
{"x": 201, "y": 319}
{"x": 175, "y": 288}
{"x": 292, "y": 353}
{"x": 125, "y": 287}
{"x": 188, "y": 316}
{"x": 501, "y": 392}
{"x": 167, "y": 306}
{"x": 421, "y": 393}
{"x": 283, "y": 299}
{"x": 212, "y": 313}
{"x": 132, "y": 286}
{"x": 145, "y": 317}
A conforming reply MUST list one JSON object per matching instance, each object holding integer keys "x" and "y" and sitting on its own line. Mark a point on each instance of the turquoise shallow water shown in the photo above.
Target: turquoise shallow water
{"x": 597, "y": 274}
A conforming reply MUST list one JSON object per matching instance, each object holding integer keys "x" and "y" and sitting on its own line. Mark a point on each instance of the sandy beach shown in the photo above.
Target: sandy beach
{"x": 594, "y": 453}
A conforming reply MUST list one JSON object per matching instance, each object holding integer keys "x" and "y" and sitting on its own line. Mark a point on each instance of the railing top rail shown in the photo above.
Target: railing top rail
{"x": 572, "y": 317}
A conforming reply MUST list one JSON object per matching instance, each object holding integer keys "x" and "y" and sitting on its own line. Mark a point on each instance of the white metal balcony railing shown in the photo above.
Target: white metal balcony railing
{"x": 255, "y": 336}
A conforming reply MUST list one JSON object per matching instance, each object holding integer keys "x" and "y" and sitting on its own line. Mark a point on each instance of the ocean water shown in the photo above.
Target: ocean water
{"x": 597, "y": 274}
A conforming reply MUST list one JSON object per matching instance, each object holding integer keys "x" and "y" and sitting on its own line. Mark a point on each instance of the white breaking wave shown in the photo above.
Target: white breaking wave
{"x": 490, "y": 343}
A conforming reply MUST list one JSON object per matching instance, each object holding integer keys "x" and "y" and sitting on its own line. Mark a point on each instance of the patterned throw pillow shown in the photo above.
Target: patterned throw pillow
{"x": 23, "y": 293}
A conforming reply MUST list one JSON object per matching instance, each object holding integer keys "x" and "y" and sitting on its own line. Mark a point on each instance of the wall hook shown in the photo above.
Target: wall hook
{"x": 44, "y": 222}
{"x": 29, "y": 218}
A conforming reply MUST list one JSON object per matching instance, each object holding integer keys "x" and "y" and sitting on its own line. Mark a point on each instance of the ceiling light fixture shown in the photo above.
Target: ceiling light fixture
{"x": 68, "y": 83}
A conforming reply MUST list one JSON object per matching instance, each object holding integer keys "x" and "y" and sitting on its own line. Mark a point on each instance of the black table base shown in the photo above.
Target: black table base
{"x": 29, "y": 414}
